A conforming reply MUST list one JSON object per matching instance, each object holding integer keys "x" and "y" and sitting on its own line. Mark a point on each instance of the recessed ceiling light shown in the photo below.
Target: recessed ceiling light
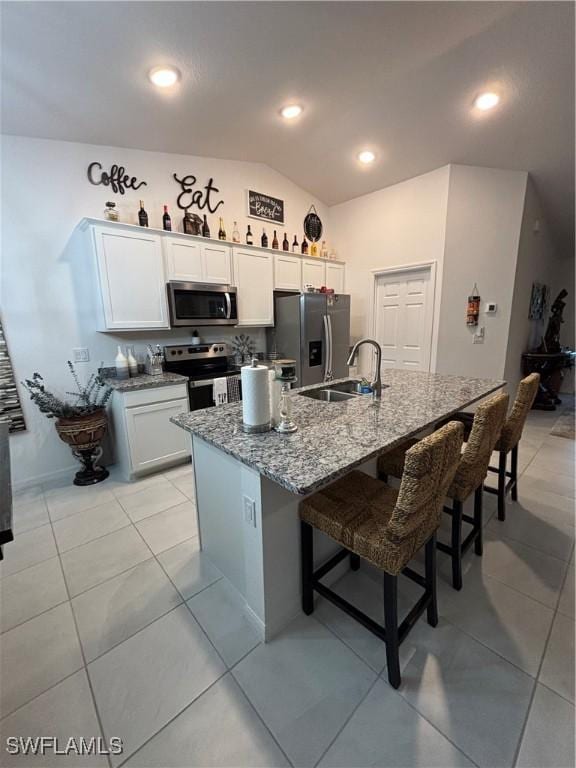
{"x": 486, "y": 101}
{"x": 290, "y": 111}
{"x": 164, "y": 77}
{"x": 366, "y": 157}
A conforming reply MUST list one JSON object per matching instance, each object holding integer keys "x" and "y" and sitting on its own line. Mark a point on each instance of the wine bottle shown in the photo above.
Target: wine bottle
{"x": 249, "y": 236}
{"x": 221, "y": 230}
{"x": 166, "y": 220}
{"x": 264, "y": 239}
{"x": 275, "y": 241}
{"x": 295, "y": 245}
{"x": 285, "y": 243}
{"x": 304, "y": 248}
{"x": 235, "y": 233}
{"x": 142, "y": 215}
{"x": 205, "y": 228}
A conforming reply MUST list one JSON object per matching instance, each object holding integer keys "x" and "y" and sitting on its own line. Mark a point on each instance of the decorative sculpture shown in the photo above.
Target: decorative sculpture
{"x": 551, "y": 340}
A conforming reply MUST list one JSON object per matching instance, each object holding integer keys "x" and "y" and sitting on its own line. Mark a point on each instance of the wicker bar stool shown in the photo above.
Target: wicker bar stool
{"x": 469, "y": 478}
{"x": 386, "y": 527}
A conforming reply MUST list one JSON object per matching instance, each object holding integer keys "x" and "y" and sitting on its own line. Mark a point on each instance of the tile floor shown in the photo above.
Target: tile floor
{"x": 113, "y": 624}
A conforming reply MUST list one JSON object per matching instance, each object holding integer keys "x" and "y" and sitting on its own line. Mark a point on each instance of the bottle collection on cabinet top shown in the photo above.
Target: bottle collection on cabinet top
{"x": 192, "y": 224}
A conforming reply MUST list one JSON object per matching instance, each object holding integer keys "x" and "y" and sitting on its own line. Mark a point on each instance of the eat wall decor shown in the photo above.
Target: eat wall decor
{"x": 201, "y": 198}
{"x": 116, "y": 178}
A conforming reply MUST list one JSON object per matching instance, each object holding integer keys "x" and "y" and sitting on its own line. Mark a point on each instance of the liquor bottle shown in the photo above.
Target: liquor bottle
{"x": 221, "y": 230}
{"x": 304, "y": 248}
{"x": 275, "y": 241}
{"x": 264, "y": 239}
{"x": 235, "y": 233}
{"x": 142, "y": 215}
{"x": 166, "y": 220}
{"x": 295, "y": 245}
{"x": 205, "y": 228}
{"x": 313, "y": 248}
{"x": 324, "y": 250}
{"x": 249, "y": 236}
{"x": 285, "y": 243}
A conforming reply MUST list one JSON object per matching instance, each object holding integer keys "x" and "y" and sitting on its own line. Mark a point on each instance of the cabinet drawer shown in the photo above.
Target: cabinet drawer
{"x": 154, "y": 395}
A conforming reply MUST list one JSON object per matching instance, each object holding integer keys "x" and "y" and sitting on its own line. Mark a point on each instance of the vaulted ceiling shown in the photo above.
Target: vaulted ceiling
{"x": 398, "y": 77}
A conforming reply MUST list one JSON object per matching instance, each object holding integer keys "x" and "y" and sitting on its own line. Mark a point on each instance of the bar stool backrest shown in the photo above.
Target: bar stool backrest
{"x": 428, "y": 471}
{"x": 512, "y": 429}
{"x": 486, "y": 428}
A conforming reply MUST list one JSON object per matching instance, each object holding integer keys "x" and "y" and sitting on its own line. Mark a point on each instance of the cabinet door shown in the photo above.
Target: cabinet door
{"x": 287, "y": 272}
{"x": 335, "y": 277}
{"x": 153, "y": 441}
{"x": 132, "y": 279}
{"x": 254, "y": 278}
{"x": 183, "y": 260}
{"x": 313, "y": 273}
{"x": 216, "y": 264}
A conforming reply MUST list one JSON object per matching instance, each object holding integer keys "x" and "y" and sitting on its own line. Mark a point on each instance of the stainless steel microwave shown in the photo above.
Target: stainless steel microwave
{"x": 201, "y": 304}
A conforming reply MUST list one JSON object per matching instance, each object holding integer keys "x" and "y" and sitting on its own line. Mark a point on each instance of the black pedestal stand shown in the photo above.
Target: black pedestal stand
{"x": 89, "y": 474}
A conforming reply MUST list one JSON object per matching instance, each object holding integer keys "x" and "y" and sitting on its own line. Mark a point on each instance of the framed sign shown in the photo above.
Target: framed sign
{"x": 312, "y": 225}
{"x": 265, "y": 207}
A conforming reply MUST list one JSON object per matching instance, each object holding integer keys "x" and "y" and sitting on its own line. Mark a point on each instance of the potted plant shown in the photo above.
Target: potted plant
{"x": 81, "y": 423}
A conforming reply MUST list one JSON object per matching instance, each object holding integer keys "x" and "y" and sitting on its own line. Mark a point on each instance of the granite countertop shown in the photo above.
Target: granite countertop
{"x": 144, "y": 381}
{"x": 335, "y": 437}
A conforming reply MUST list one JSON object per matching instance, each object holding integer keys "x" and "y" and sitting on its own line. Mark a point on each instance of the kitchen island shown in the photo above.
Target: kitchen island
{"x": 248, "y": 486}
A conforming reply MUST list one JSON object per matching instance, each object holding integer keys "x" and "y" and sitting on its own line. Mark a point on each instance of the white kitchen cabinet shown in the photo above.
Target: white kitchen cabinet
{"x": 254, "y": 279}
{"x": 335, "y": 276}
{"x": 132, "y": 279}
{"x": 196, "y": 262}
{"x": 287, "y": 272}
{"x": 313, "y": 273}
{"x": 144, "y": 438}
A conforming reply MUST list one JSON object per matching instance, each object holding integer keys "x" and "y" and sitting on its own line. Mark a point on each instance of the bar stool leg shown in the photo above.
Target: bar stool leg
{"x": 514, "y": 472}
{"x": 391, "y": 627}
{"x": 478, "y": 523}
{"x": 502, "y": 486}
{"x": 307, "y": 563}
{"x": 354, "y": 562}
{"x": 456, "y": 544}
{"x": 430, "y": 560}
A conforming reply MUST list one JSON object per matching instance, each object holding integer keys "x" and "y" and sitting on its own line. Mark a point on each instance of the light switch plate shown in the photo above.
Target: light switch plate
{"x": 81, "y": 355}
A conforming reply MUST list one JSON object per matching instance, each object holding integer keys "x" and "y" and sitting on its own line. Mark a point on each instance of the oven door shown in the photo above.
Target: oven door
{"x": 201, "y": 394}
{"x": 193, "y": 304}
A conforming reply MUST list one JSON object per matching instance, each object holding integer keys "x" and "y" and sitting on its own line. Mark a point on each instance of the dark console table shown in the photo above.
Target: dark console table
{"x": 551, "y": 367}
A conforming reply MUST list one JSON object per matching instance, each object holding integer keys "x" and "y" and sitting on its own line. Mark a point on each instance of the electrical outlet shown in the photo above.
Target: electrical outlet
{"x": 81, "y": 355}
{"x": 249, "y": 511}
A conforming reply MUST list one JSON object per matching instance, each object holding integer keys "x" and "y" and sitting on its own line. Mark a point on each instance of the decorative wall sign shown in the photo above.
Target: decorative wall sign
{"x": 473, "y": 307}
{"x": 265, "y": 207}
{"x": 116, "y": 178}
{"x": 189, "y": 197}
{"x": 313, "y": 225}
{"x": 10, "y": 408}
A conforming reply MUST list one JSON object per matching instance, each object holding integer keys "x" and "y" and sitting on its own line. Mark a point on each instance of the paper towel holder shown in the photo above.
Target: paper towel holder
{"x": 252, "y": 429}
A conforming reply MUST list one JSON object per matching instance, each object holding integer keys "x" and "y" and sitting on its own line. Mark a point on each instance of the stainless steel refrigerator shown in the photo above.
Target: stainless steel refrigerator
{"x": 314, "y": 330}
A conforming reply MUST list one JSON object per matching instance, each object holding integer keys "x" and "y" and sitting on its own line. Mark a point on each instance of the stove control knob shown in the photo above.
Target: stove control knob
{"x": 179, "y": 351}
{"x": 215, "y": 348}
{"x": 221, "y": 349}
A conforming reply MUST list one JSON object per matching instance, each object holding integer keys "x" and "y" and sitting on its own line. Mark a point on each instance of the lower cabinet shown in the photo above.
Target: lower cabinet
{"x": 145, "y": 439}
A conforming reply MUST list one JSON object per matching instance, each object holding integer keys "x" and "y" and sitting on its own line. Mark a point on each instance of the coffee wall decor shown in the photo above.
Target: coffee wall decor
{"x": 265, "y": 207}
{"x": 201, "y": 198}
{"x": 116, "y": 178}
{"x": 313, "y": 225}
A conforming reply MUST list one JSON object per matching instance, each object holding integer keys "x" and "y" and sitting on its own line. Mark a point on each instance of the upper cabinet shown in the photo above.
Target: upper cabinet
{"x": 254, "y": 279}
{"x": 287, "y": 272}
{"x": 196, "y": 262}
{"x": 335, "y": 274}
{"x": 132, "y": 279}
{"x": 313, "y": 273}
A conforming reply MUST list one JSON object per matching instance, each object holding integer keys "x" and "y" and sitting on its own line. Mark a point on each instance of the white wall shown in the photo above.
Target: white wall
{"x": 485, "y": 209}
{"x": 402, "y": 224}
{"x": 45, "y": 193}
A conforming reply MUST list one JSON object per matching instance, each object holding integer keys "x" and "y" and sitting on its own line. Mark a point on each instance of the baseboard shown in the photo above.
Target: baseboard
{"x": 46, "y": 478}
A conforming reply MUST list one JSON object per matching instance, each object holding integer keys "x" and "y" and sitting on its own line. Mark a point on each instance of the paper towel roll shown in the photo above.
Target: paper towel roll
{"x": 255, "y": 398}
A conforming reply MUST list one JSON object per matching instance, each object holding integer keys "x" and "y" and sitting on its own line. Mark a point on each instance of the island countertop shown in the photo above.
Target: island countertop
{"x": 333, "y": 438}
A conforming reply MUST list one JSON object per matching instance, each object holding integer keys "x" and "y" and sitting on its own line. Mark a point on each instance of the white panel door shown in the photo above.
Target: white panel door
{"x": 313, "y": 273}
{"x": 404, "y": 319}
{"x": 132, "y": 279}
{"x": 152, "y": 439}
{"x": 335, "y": 277}
{"x": 217, "y": 264}
{"x": 287, "y": 272}
{"x": 254, "y": 278}
{"x": 183, "y": 260}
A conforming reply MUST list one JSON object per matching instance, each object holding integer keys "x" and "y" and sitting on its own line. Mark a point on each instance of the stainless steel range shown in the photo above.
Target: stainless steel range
{"x": 202, "y": 363}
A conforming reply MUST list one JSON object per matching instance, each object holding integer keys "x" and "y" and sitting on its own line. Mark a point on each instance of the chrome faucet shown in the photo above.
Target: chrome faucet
{"x": 377, "y": 383}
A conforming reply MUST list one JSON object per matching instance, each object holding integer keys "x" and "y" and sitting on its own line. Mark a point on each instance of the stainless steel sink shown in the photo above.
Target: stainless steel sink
{"x": 352, "y": 387}
{"x": 329, "y": 395}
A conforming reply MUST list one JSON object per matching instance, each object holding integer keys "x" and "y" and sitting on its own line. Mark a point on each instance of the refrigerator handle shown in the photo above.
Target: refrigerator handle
{"x": 328, "y": 335}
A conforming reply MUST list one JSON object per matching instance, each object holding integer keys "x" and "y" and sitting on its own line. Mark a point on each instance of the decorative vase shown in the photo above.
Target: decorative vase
{"x": 84, "y": 434}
